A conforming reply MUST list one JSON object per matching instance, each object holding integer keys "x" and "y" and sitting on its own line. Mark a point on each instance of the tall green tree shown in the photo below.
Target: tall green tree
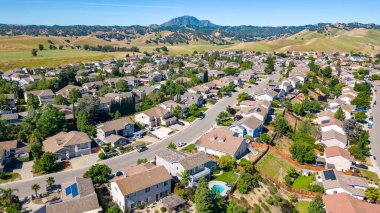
{"x": 317, "y": 206}
{"x": 35, "y": 149}
{"x": 340, "y": 115}
{"x": 51, "y": 121}
{"x": 233, "y": 207}
{"x": 205, "y": 77}
{"x": 32, "y": 101}
{"x": 98, "y": 173}
{"x": 203, "y": 201}
{"x": 46, "y": 164}
{"x": 35, "y": 187}
{"x": 282, "y": 126}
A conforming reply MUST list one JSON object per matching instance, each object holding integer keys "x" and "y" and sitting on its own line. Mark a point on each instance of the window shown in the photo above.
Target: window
{"x": 165, "y": 183}
{"x": 147, "y": 189}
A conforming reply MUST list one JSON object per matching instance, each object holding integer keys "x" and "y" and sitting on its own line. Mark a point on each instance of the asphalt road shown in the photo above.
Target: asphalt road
{"x": 188, "y": 135}
{"x": 374, "y": 133}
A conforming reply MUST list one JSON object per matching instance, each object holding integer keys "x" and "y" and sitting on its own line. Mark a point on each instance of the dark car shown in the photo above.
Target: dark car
{"x": 119, "y": 173}
{"x": 362, "y": 166}
{"x": 202, "y": 116}
{"x": 142, "y": 148}
{"x": 53, "y": 187}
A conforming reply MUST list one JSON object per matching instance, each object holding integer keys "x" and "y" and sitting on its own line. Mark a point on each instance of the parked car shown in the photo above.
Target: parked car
{"x": 181, "y": 144}
{"x": 370, "y": 125}
{"x": 119, "y": 173}
{"x": 362, "y": 166}
{"x": 53, "y": 187}
{"x": 202, "y": 116}
{"x": 142, "y": 148}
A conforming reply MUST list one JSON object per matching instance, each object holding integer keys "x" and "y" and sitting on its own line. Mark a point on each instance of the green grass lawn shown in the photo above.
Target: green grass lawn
{"x": 228, "y": 177}
{"x": 189, "y": 148}
{"x": 303, "y": 182}
{"x": 302, "y": 206}
{"x": 273, "y": 165}
{"x": 369, "y": 175}
{"x": 210, "y": 101}
{"x": 203, "y": 109}
{"x": 191, "y": 118}
{"x": 9, "y": 176}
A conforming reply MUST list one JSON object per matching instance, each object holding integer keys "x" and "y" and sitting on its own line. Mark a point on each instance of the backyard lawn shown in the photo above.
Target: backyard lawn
{"x": 302, "y": 206}
{"x": 369, "y": 175}
{"x": 274, "y": 166}
{"x": 303, "y": 182}
{"x": 228, "y": 177}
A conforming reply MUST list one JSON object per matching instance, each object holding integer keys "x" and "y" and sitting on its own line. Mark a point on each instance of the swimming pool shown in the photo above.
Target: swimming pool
{"x": 218, "y": 188}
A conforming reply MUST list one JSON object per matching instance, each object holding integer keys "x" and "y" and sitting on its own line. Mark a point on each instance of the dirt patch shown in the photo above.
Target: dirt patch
{"x": 283, "y": 144}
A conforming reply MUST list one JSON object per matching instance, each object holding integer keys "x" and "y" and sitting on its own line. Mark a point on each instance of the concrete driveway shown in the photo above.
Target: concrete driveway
{"x": 25, "y": 170}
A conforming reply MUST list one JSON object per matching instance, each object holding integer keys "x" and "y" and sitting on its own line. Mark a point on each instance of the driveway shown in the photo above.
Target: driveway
{"x": 25, "y": 170}
{"x": 83, "y": 161}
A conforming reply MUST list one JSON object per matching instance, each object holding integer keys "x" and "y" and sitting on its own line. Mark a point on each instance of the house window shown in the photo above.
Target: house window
{"x": 165, "y": 183}
{"x": 147, "y": 189}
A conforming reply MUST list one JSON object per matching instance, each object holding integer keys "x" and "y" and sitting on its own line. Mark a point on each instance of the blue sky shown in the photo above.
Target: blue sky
{"x": 222, "y": 12}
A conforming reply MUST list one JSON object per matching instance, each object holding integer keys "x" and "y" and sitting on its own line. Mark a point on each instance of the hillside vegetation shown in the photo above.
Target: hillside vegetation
{"x": 15, "y": 51}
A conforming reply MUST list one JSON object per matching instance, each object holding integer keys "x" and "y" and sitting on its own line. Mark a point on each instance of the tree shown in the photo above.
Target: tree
{"x": 224, "y": 119}
{"x": 46, "y": 163}
{"x": 245, "y": 183}
{"x": 282, "y": 126}
{"x": 265, "y": 137}
{"x": 306, "y": 126}
{"x": 172, "y": 145}
{"x": 74, "y": 95}
{"x": 317, "y": 206}
{"x": 360, "y": 116}
{"x": 122, "y": 85}
{"x": 117, "y": 115}
{"x": 227, "y": 162}
{"x": 89, "y": 105}
{"x": 298, "y": 108}
{"x": 352, "y": 129}
{"x": 233, "y": 207}
{"x": 60, "y": 100}
{"x": 114, "y": 209}
{"x": 32, "y": 101}
{"x": 14, "y": 208}
{"x": 327, "y": 72}
{"x": 98, "y": 173}
{"x": 242, "y": 96}
{"x": 247, "y": 165}
{"x": 84, "y": 125}
{"x": 203, "y": 202}
{"x": 34, "y": 52}
{"x": 8, "y": 195}
{"x": 205, "y": 77}
{"x": 3, "y": 102}
{"x": 35, "y": 187}
{"x": 51, "y": 121}
{"x": 302, "y": 152}
{"x": 373, "y": 194}
{"x": 50, "y": 181}
{"x": 185, "y": 177}
{"x": 35, "y": 149}
{"x": 41, "y": 47}
{"x": 340, "y": 115}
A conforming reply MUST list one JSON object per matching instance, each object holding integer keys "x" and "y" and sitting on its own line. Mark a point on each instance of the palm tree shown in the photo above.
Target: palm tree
{"x": 50, "y": 181}
{"x": 36, "y": 187}
{"x": 8, "y": 194}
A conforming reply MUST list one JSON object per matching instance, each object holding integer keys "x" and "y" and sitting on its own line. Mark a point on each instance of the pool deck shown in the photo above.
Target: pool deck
{"x": 220, "y": 183}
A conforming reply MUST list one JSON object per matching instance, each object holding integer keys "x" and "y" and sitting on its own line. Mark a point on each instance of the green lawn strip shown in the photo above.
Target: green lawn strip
{"x": 228, "y": 177}
{"x": 191, "y": 118}
{"x": 369, "y": 175}
{"x": 189, "y": 148}
{"x": 303, "y": 182}
{"x": 9, "y": 176}
{"x": 302, "y": 206}
{"x": 273, "y": 165}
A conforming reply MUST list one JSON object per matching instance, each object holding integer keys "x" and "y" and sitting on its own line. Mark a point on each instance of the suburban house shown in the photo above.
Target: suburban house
{"x": 76, "y": 197}
{"x": 333, "y": 124}
{"x": 14, "y": 149}
{"x": 216, "y": 73}
{"x": 147, "y": 184}
{"x": 338, "y": 158}
{"x": 155, "y": 117}
{"x": 65, "y": 91}
{"x": 250, "y": 126}
{"x": 171, "y": 105}
{"x": 44, "y": 96}
{"x": 342, "y": 202}
{"x": 269, "y": 95}
{"x": 258, "y": 111}
{"x": 221, "y": 141}
{"x": 67, "y": 145}
{"x": 115, "y": 140}
{"x": 197, "y": 165}
{"x": 336, "y": 182}
{"x": 122, "y": 126}
{"x": 246, "y": 75}
{"x": 334, "y": 138}
{"x": 324, "y": 116}
{"x": 191, "y": 98}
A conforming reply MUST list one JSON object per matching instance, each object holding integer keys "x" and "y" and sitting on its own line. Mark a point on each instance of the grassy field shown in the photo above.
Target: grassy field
{"x": 274, "y": 166}
{"x": 303, "y": 182}
{"x": 302, "y": 206}
{"x": 228, "y": 177}
{"x": 15, "y": 52}
{"x": 372, "y": 176}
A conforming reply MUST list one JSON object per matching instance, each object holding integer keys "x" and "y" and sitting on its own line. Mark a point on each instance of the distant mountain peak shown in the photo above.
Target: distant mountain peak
{"x": 188, "y": 21}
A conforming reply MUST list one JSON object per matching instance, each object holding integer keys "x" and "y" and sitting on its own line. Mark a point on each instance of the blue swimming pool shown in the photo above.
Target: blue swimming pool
{"x": 218, "y": 188}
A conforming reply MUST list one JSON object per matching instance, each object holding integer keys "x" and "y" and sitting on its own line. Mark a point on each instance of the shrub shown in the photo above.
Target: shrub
{"x": 293, "y": 198}
{"x": 163, "y": 209}
{"x": 316, "y": 188}
{"x": 102, "y": 156}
